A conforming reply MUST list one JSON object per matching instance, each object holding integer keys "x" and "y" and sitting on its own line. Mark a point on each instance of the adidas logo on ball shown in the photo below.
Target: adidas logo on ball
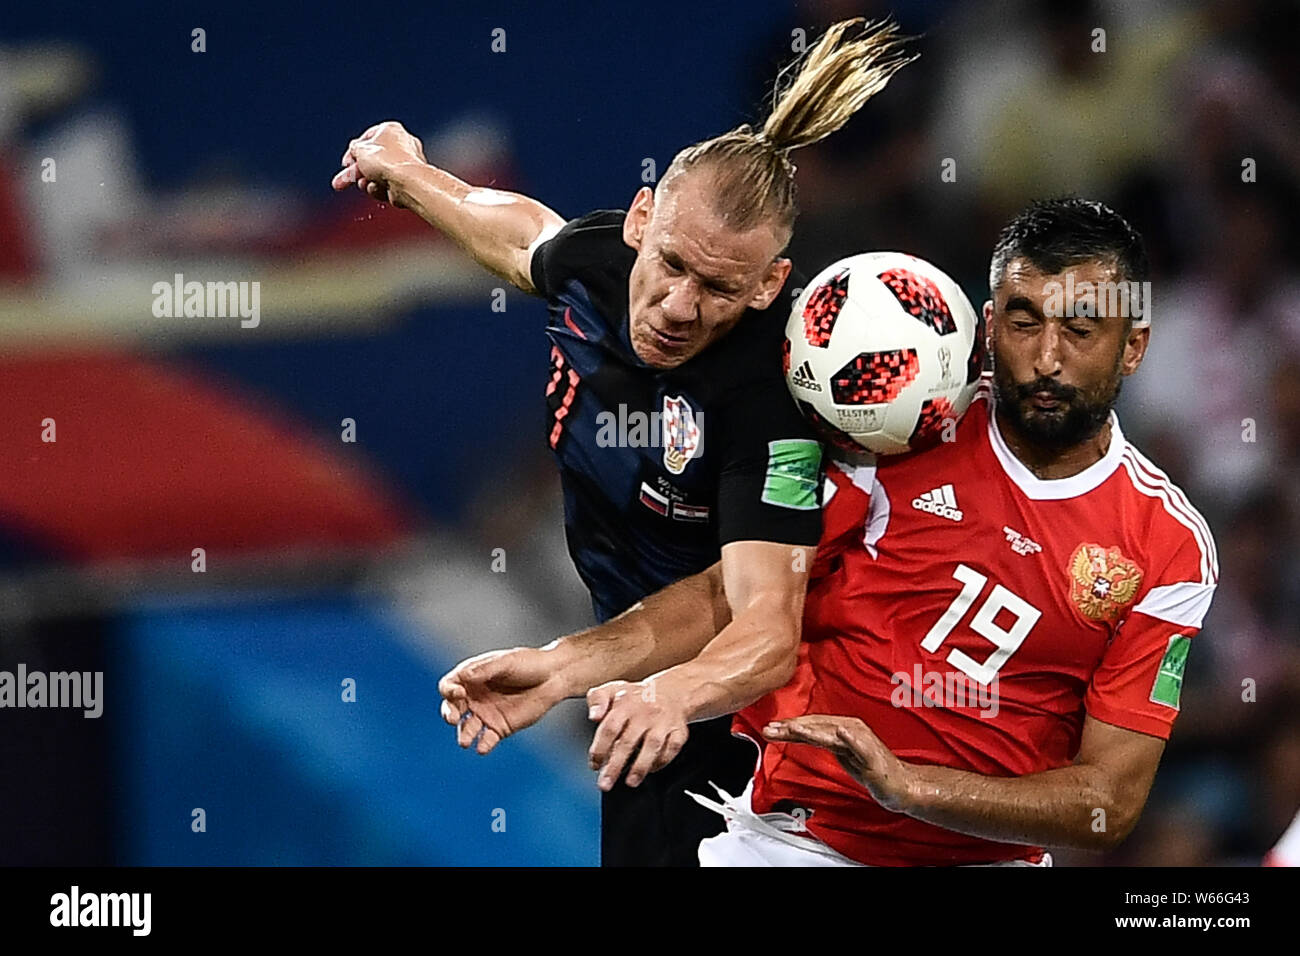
{"x": 941, "y": 501}
{"x": 803, "y": 378}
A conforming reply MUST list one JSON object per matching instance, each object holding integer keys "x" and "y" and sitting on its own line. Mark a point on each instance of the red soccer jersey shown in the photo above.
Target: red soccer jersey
{"x": 971, "y": 614}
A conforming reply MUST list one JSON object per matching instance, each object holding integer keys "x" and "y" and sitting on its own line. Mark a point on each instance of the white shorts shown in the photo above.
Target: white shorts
{"x": 776, "y": 839}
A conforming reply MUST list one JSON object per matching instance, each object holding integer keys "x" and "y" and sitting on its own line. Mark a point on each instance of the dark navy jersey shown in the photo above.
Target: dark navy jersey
{"x": 660, "y": 468}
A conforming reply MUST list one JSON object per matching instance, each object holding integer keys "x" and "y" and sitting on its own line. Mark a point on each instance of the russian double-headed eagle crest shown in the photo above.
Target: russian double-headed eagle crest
{"x": 1102, "y": 581}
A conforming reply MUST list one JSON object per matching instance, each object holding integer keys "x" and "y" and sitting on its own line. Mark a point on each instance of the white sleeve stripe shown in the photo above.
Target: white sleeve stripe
{"x": 1183, "y": 604}
{"x": 1144, "y": 464}
{"x": 1156, "y": 477}
{"x": 1209, "y": 562}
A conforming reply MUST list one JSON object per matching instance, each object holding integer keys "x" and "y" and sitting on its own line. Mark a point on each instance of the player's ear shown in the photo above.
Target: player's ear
{"x": 988, "y": 323}
{"x": 1135, "y": 349}
{"x": 773, "y": 282}
{"x": 638, "y": 217}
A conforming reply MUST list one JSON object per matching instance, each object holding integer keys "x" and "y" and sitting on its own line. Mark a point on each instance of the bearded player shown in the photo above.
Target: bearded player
{"x": 1068, "y": 576}
{"x": 661, "y": 314}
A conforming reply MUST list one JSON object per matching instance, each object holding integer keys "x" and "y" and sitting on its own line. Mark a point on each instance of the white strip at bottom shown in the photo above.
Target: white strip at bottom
{"x": 772, "y": 839}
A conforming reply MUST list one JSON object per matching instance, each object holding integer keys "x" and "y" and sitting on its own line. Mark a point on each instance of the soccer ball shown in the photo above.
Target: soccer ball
{"x": 883, "y": 352}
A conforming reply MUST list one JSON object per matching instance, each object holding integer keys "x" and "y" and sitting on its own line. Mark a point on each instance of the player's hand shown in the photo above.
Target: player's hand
{"x": 860, "y": 752}
{"x": 634, "y": 715}
{"x": 491, "y": 696}
{"x": 371, "y": 160}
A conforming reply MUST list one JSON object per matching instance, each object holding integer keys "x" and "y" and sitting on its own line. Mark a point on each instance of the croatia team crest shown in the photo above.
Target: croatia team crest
{"x": 1102, "y": 581}
{"x": 681, "y": 434}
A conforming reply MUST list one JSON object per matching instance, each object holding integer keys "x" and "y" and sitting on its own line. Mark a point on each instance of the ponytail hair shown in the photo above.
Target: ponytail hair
{"x": 753, "y": 177}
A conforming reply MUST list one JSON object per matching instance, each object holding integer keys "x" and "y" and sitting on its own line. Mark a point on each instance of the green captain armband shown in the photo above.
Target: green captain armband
{"x": 793, "y": 471}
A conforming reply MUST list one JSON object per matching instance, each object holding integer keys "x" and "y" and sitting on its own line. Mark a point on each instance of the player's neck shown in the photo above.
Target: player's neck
{"x": 1049, "y": 464}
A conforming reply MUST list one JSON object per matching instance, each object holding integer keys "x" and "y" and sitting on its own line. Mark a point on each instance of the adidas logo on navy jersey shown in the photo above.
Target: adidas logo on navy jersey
{"x": 941, "y": 501}
{"x": 803, "y": 378}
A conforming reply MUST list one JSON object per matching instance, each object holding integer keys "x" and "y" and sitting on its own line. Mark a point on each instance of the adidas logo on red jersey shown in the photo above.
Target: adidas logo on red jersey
{"x": 941, "y": 501}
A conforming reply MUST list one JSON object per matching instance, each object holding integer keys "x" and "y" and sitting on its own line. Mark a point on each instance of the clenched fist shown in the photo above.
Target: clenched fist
{"x": 376, "y": 158}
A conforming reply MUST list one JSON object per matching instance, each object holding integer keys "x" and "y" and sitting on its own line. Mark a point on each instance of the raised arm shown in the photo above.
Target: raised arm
{"x": 498, "y": 229}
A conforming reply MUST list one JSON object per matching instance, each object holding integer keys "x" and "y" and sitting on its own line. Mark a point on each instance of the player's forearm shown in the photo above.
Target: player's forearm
{"x": 1072, "y": 806}
{"x": 753, "y": 655}
{"x": 495, "y": 227}
{"x": 666, "y": 628}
